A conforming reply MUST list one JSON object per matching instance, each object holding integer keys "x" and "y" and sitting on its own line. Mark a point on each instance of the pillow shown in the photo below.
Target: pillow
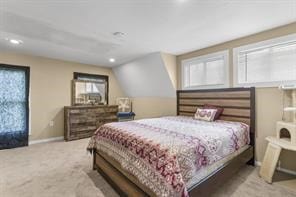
{"x": 219, "y": 110}
{"x": 205, "y": 114}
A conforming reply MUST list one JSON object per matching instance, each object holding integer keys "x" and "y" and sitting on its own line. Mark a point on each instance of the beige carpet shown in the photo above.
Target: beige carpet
{"x": 64, "y": 169}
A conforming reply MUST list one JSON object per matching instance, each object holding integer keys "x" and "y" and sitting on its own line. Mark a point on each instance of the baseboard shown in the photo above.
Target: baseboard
{"x": 258, "y": 163}
{"x": 53, "y": 139}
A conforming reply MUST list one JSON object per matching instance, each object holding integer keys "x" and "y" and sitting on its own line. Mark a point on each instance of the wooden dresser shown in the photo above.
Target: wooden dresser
{"x": 82, "y": 121}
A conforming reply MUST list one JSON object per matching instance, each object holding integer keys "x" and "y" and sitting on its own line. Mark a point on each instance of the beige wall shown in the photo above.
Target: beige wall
{"x": 268, "y": 100}
{"x": 50, "y": 90}
{"x": 151, "y": 83}
{"x": 170, "y": 62}
{"x": 151, "y": 107}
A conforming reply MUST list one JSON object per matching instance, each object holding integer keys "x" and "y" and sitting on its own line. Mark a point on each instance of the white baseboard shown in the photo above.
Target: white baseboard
{"x": 53, "y": 139}
{"x": 258, "y": 163}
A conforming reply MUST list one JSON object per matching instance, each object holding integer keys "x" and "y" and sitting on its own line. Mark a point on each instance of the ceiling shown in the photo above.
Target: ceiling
{"x": 82, "y": 30}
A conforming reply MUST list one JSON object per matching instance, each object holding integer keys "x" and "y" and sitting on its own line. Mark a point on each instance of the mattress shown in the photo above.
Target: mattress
{"x": 206, "y": 171}
{"x": 170, "y": 154}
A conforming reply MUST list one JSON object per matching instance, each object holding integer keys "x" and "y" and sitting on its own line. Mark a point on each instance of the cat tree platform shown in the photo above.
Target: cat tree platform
{"x": 273, "y": 151}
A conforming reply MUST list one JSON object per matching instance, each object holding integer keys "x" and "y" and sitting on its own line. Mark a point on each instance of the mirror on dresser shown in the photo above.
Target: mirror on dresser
{"x": 89, "y": 92}
{"x": 89, "y": 89}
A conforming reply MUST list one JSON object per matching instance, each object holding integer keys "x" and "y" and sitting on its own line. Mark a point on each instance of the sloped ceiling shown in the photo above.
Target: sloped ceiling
{"x": 82, "y": 30}
{"x": 145, "y": 77}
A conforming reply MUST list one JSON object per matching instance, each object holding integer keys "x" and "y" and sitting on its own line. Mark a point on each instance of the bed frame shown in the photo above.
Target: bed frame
{"x": 238, "y": 104}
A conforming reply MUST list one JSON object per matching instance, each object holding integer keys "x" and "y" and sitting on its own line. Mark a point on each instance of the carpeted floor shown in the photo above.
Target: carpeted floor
{"x": 64, "y": 169}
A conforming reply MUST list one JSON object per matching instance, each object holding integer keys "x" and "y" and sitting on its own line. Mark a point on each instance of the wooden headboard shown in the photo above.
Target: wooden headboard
{"x": 238, "y": 104}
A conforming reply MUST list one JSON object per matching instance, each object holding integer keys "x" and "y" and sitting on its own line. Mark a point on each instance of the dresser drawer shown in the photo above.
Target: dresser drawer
{"x": 82, "y": 128}
{"x": 77, "y": 120}
{"x": 99, "y": 110}
{"x": 111, "y": 109}
{"x": 82, "y": 122}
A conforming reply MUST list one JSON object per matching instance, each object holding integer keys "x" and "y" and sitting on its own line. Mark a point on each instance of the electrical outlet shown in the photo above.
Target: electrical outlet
{"x": 51, "y": 123}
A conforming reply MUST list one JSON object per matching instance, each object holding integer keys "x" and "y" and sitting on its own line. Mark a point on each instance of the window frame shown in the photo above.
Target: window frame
{"x": 76, "y": 75}
{"x": 203, "y": 58}
{"x": 27, "y": 71}
{"x": 256, "y": 46}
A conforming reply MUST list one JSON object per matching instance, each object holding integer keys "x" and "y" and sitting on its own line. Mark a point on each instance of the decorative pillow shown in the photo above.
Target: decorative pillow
{"x": 205, "y": 114}
{"x": 219, "y": 110}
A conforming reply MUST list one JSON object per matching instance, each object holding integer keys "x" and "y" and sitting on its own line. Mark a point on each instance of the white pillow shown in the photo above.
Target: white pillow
{"x": 205, "y": 114}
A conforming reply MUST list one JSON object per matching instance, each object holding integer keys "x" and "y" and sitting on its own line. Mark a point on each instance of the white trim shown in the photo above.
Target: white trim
{"x": 224, "y": 54}
{"x": 258, "y": 45}
{"x": 258, "y": 163}
{"x": 53, "y": 139}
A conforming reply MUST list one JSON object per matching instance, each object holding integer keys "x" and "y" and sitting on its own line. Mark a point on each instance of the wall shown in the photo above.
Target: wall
{"x": 145, "y": 77}
{"x": 149, "y": 107}
{"x": 268, "y": 100}
{"x": 50, "y": 90}
{"x": 170, "y": 62}
{"x": 150, "y": 81}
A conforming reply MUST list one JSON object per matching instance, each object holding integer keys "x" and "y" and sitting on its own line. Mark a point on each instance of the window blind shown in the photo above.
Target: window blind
{"x": 204, "y": 72}
{"x": 270, "y": 63}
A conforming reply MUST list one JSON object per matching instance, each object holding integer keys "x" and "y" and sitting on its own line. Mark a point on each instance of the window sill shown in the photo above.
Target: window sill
{"x": 265, "y": 85}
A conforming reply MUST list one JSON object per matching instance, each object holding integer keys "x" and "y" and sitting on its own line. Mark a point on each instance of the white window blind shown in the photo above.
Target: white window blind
{"x": 271, "y": 64}
{"x": 206, "y": 71}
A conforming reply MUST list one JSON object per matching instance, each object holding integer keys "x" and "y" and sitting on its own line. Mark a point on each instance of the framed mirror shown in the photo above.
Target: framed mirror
{"x": 87, "y": 92}
{"x": 90, "y": 89}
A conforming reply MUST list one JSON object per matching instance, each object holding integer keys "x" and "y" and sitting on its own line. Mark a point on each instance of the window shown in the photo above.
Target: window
{"x": 209, "y": 71}
{"x": 14, "y": 106}
{"x": 266, "y": 64}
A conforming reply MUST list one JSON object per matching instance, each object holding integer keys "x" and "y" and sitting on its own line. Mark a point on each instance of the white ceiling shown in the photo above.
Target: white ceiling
{"x": 81, "y": 30}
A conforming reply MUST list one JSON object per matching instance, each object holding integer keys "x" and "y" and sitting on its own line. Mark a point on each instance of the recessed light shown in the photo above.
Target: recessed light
{"x": 14, "y": 41}
{"x": 111, "y": 60}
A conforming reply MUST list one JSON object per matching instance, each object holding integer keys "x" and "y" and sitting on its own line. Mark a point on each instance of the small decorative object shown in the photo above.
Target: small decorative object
{"x": 124, "y": 104}
{"x": 285, "y": 138}
{"x": 125, "y": 112}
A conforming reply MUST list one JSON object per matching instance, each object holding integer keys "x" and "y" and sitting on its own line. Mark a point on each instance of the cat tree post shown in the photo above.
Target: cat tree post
{"x": 294, "y": 105}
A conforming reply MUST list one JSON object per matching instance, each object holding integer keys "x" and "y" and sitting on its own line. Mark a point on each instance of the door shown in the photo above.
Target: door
{"x": 14, "y": 106}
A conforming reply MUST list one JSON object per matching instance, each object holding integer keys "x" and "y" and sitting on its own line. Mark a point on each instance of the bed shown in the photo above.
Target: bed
{"x": 178, "y": 155}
